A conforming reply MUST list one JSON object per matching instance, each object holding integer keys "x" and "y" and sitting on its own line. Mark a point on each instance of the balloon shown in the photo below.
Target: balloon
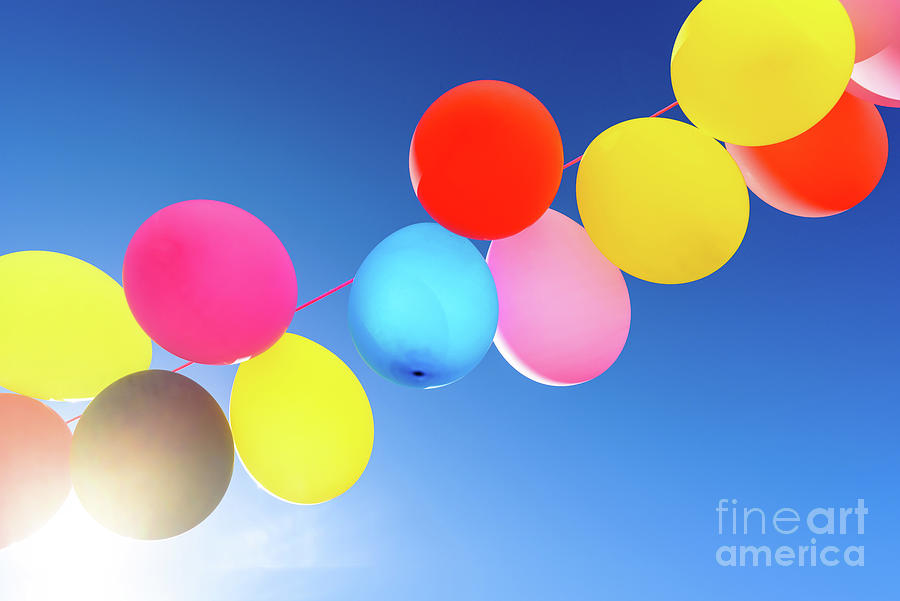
{"x": 302, "y": 423}
{"x": 152, "y": 455}
{"x": 876, "y": 75}
{"x": 486, "y": 159}
{"x": 661, "y": 200}
{"x": 34, "y": 466}
{"x": 66, "y": 328}
{"x": 875, "y": 24}
{"x": 756, "y": 72}
{"x": 823, "y": 171}
{"x": 209, "y": 282}
{"x": 564, "y": 308}
{"x": 423, "y": 307}
{"x": 877, "y": 80}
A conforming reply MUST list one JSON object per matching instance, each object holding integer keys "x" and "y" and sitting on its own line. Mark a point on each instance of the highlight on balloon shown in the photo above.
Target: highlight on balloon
{"x": 658, "y": 199}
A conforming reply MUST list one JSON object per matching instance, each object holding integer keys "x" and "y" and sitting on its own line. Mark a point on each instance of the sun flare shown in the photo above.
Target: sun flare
{"x": 75, "y": 559}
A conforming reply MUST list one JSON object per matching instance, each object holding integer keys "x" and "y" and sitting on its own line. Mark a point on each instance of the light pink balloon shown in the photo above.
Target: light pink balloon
{"x": 564, "y": 308}
{"x": 209, "y": 282}
{"x": 877, "y": 79}
{"x": 876, "y": 75}
{"x": 873, "y": 21}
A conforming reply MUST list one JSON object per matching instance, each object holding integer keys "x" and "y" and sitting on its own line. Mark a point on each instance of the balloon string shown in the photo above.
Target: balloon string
{"x": 350, "y": 281}
{"x": 572, "y": 162}
{"x": 656, "y": 114}
{"x": 303, "y": 306}
{"x": 661, "y": 111}
{"x": 324, "y": 294}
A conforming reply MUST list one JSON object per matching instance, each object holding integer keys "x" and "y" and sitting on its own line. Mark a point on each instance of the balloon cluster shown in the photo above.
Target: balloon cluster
{"x": 787, "y": 85}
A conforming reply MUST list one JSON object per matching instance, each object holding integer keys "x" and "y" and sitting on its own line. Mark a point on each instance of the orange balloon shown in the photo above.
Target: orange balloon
{"x": 486, "y": 160}
{"x": 824, "y": 171}
{"x": 34, "y": 466}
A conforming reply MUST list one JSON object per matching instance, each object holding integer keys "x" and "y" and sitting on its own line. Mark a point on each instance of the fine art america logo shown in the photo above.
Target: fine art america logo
{"x": 823, "y": 534}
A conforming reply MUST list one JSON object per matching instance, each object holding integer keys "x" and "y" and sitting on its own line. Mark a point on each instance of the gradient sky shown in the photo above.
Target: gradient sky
{"x": 772, "y": 381}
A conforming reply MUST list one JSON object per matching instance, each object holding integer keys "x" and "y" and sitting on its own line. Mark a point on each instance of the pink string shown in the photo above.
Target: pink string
{"x": 572, "y": 162}
{"x": 656, "y": 114}
{"x": 303, "y": 306}
{"x": 324, "y": 294}
{"x": 661, "y": 111}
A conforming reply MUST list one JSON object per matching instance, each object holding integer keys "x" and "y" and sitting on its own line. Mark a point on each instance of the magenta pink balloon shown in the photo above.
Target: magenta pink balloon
{"x": 209, "y": 282}
{"x": 876, "y": 75}
{"x": 564, "y": 308}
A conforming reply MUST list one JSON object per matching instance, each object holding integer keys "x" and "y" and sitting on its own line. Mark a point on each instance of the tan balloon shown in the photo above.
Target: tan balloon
{"x": 152, "y": 456}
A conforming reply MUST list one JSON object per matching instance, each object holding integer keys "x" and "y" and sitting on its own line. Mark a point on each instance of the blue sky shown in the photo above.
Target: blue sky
{"x": 771, "y": 381}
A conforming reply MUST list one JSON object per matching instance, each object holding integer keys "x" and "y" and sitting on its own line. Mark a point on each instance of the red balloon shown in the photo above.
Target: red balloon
{"x": 826, "y": 170}
{"x": 486, "y": 160}
{"x": 34, "y": 466}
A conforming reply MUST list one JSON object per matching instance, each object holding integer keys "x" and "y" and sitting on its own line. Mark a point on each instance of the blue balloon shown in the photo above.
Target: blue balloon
{"x": 423, "y": 307}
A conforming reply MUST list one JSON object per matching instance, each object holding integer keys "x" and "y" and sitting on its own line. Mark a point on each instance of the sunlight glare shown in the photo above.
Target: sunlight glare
{"x": 75, "y": 559}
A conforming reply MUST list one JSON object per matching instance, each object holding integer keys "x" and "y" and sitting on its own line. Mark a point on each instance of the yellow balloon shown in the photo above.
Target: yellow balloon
{"x": 301, "y": 421}
{"x": 66, "y": 332}
{"x": 661, "y": 200}
{"x": 757, "y": 72}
